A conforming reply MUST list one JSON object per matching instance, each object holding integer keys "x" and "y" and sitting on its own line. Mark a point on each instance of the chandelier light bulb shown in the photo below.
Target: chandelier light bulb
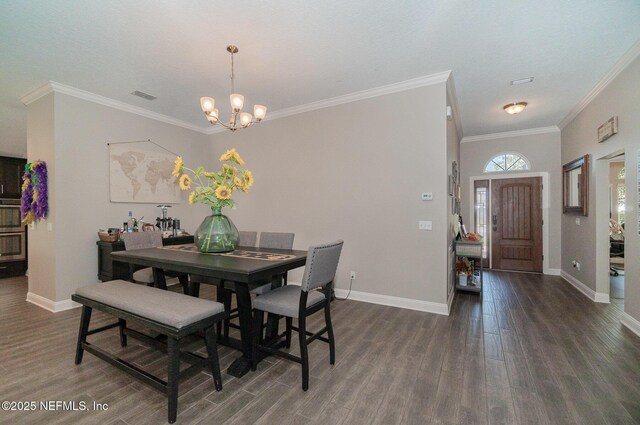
{"x": 237, "y": 101}
{"x": 207, "y": 104}
{"x": 245, "y": 119}
{"x": 212, "y": 116}
{"x": 260, "y": 112}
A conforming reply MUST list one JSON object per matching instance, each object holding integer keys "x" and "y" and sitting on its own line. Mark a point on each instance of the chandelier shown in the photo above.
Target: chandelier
{"x": 237, "y": 102}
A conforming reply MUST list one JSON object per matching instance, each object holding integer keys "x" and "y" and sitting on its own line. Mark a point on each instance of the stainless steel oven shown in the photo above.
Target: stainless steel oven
{"x": 13, "y": 237}
{"x": 12, "y": 246}
{"x": 10, "y": 220}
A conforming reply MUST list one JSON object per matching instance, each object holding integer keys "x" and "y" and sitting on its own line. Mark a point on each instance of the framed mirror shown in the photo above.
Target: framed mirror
{"x": 575, "y": 186}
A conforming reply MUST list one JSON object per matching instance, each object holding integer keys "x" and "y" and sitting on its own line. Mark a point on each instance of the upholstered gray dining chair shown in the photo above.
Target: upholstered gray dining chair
{"x": 299, "y": 302}
{"x": 268, "y": 240}
{"x": 246, "y": 239}
{"x": 143, "y": 240}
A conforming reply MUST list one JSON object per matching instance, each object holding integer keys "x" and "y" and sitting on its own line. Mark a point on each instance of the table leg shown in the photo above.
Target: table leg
{"x": 159, "y": 279}
{"x": 242, "y": 365}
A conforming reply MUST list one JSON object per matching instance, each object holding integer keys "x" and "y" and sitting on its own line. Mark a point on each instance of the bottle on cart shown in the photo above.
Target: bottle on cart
{"x": 131, "y": 222}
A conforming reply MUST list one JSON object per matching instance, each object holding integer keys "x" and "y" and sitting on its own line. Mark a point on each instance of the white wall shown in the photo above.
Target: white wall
{"x": 579, "y": 137}
{"x": 543, "y": 152}
{"x": 42, "y": 253}
{"x": 453, "y": 154}
{"x": 77, "y": 156}
{"x": 356, "y": 172}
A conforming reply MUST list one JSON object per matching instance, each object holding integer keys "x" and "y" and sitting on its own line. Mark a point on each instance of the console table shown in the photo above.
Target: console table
{"x": 108, "y": 269}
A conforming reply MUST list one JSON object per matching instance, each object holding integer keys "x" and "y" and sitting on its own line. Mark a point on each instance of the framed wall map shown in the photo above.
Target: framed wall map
{"x": 141, "y": 172}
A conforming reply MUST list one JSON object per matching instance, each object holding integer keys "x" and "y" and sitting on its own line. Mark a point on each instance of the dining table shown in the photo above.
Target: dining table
{"x": 245, "y": 267}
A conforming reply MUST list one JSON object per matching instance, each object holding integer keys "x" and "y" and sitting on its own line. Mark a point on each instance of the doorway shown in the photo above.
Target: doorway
{"x": 617, "y": 203}
{"x": 508, "y": 213}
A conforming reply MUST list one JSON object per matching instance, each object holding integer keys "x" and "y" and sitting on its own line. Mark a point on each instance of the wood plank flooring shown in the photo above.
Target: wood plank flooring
{"x": 533, "y": 351}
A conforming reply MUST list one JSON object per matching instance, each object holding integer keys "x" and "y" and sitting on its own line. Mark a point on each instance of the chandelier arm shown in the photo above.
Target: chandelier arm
{"x": 233, "y": 90}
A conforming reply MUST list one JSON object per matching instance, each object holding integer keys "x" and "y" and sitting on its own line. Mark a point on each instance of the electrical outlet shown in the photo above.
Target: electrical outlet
{"x": 353, "y": 275}
{"x": 577, "y": 266}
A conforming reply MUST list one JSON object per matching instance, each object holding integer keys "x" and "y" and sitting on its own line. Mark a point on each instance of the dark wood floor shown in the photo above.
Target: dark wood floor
{"x": 534, "y": 351}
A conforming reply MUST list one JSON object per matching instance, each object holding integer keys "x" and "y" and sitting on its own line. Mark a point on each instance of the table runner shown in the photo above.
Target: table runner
{"x": 239, "y": 253}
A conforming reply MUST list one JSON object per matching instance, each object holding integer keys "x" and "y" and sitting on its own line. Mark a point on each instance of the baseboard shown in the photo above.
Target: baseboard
{"x": 53, "y": 306}
{"x": 450, "y": 301}
{"x": 410, "y": 304}
{"x": 598, "y": 297}
{"x": 552, "y": 272}
{"x": 631, "y": 323}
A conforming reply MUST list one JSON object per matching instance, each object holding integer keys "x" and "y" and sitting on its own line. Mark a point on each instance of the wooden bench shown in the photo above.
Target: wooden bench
{"x": 168, "y": 313}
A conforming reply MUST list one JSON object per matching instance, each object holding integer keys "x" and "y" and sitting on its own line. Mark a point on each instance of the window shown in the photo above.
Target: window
{"x": 506, "y": 162}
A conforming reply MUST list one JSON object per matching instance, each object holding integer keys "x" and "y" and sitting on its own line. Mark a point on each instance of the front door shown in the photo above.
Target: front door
{"x": 516, "y": 224}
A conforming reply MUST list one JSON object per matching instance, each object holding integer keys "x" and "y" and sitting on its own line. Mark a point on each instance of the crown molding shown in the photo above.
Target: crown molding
{"x": 427, "y": 80}
{"x": 455, "y": 109}
{"x": 53, "y": 87}
{"x": 516, "y": 133}
{"x": 36, "y": 94}
{"x": 622, "y": 63}
{"x": 413, "y": 83}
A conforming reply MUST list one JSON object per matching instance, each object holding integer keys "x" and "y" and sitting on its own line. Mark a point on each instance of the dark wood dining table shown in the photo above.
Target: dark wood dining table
{"x": 246, "y": 267}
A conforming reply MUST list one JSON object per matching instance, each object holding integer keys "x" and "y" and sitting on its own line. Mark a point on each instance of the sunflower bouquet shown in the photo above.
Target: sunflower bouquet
{"x": 215, "y": 188}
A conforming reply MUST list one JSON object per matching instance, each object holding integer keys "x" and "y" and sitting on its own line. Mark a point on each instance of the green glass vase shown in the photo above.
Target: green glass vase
{"x": 216, "y": 233}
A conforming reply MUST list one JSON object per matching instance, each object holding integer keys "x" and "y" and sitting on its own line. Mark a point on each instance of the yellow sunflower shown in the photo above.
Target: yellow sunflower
{"x": 232, "y": 155}
{"x": 223, "y": 192}
{"x": 237, "y": 182}
{"x": 192, "y": 198}
{"x": 247, "y": 180}
{"x": 177, "y": 168}
{"x": 185, "y": 182}
{"x": 209, "y": 174}
{"x": 227, "y": 169}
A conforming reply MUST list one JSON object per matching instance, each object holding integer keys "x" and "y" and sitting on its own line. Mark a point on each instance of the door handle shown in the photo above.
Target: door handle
{"x": 495, "y": 220}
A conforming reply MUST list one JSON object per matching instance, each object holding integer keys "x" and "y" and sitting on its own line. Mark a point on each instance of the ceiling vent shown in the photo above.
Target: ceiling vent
{"x": 143, "y": 95}
{"x": 522, "y": 81}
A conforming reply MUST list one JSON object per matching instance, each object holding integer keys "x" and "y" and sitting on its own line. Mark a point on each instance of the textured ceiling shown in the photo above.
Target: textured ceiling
{"x": 296, "y": 52}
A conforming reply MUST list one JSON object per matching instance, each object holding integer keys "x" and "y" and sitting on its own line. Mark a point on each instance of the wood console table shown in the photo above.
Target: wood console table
{"x": 111, "y": 270}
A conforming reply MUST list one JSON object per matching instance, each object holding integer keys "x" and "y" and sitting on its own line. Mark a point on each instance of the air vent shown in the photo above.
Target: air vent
{"x": 143, "y": 95}
{"x": 522, "y": 81}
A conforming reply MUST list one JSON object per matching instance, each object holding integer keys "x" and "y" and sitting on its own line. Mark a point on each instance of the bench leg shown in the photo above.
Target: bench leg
{"x": 173, "y": 351}
{"x": 212, "y": 351}
{"x": 122, "y": 325}
{"x": 82, "y": 333}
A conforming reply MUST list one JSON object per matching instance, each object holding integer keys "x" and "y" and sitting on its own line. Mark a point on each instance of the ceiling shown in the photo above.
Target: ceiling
{"x": 296, "y": 52}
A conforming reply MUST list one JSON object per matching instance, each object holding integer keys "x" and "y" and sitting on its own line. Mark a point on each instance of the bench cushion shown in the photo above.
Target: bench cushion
{"x": 166, "y": 307}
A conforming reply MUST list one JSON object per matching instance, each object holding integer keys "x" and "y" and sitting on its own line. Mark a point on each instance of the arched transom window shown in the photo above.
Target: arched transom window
{"x": 507, "y": 161}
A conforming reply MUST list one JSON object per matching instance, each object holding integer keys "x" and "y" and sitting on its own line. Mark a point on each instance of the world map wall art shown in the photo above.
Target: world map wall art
{"x": 142, "y": 172}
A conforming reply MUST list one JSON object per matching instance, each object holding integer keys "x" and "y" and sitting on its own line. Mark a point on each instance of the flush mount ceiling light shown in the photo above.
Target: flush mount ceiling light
{"x": 515, "y": 107}
{"x": 237, "y": 101}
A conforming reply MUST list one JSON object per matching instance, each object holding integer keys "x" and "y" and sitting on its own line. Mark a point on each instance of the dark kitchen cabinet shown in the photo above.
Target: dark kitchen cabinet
{"x": 11, "y": 171}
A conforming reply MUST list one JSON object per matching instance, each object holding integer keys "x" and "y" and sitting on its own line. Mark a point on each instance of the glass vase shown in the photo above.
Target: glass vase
{"x": 216, "y": 233}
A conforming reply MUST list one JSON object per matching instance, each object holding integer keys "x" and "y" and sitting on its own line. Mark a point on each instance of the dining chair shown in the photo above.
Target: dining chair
{"x": 268, "y": 240}
{"x": 247, "y": 239}
{"x": 299, "y": 302}
{"x": 144, "y": 240}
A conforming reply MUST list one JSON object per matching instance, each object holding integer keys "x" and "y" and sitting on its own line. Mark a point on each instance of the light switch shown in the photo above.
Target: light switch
{"x": 427, "y": 196}
{"x": 577, "y": 221}
{"x": 425, "y": 225}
